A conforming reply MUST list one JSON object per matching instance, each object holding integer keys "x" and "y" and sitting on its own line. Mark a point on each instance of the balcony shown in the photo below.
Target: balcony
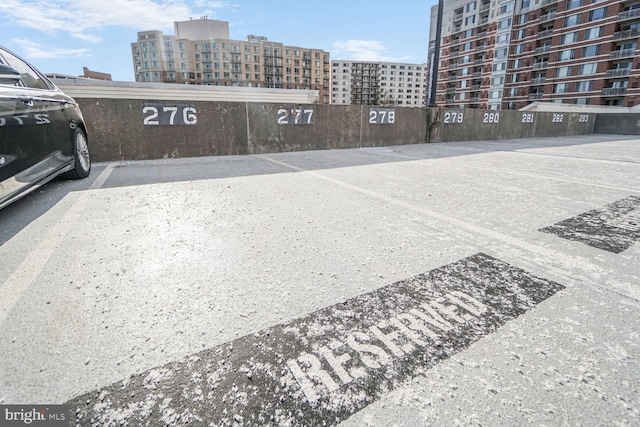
{"x": 548, "y": 17}
{"x": 540, "y": 65}
{"x": 545, "y": 34}
{"x": 451, "y": 90}
{"x": 548, "y": 2}
{"x": 619, "y": 72}
{"x": 614, "y": 91}
{"x": 481, "y": 48}
{"x": 628, "y": 14}
{"x": 452, "y": 78}
{"x": 474, "y": 100}
{"x": 624, "y": 53}
{"x": 475, "y": 87}
{"x": 457, "y": 17}
{"x": 477, "y": 74}
{"x": 542, "y": 49}
{"x": 626, "y": 34}
{"x": 538, "y": 81}
{"x": 536, "y": 95}
{"x": 484, "y": 7}
{"x": 483, "y": 21}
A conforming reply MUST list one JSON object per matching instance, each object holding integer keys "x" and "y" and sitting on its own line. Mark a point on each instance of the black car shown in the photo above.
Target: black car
{"x": 42, "y": 131}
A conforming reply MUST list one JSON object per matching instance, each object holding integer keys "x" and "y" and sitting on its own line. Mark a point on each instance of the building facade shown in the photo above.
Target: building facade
{"x": 378, "y": 83}
{"x": 201, "y": 53}
{"x": 506, "y": 54}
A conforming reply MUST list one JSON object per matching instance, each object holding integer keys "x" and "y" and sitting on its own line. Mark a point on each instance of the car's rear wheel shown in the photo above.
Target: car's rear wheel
{"x": 81, "y": 156}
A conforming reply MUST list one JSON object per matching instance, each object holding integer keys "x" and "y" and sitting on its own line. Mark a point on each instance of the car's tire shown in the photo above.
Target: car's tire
{"x": 81, "y": 156}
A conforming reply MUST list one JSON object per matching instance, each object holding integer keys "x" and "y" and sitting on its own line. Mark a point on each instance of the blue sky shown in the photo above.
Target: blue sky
{"x": 62, "y": 36}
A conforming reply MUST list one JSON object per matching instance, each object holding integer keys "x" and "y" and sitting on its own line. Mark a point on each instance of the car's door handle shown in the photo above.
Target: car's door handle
{"x": 27, "y": 100}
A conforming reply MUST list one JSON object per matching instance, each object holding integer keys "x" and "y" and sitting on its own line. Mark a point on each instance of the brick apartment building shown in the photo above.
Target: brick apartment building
{"x": 502, "y": 54}
{"x": 201, "y": 53}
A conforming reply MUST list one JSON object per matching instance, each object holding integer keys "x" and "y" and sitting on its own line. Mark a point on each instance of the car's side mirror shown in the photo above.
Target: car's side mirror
{"x": 9, "y": 75}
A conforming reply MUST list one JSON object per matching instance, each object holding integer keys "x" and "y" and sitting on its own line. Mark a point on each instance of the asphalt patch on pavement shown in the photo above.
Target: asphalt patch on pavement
{"x": 322, "y": 368}
{"x": 614, "y": 227}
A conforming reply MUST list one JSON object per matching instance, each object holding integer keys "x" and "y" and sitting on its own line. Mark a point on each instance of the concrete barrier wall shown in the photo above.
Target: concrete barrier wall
{"x": 127, "y": 129}
{"x": 474, "y": 125}
{"x": 139, "y": 130}
{"x": 621, "y": 124}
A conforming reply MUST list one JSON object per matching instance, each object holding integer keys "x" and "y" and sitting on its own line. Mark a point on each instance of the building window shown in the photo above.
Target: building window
{"x": 566, "y": 55}
{"x": 584, "y": 86}
{"x": 586, "y": 69}
{"x": 569, "y": 38}
{"x": 563, "y": 72}
{"x": 508, "y": 8}
{"x": 572, "y": 20}
{"x": 500, "y": 66}
{"x": 593, "y": 33}
{"x": 502, "y": 39}
{"x": 596, "y": 14}
{"x": 504, "y": 24}
{"x": 561, "y": 88}
{"x": 471, "y": 6}
{"x": 572, "y": 4}
{"x": 590, "y": 50}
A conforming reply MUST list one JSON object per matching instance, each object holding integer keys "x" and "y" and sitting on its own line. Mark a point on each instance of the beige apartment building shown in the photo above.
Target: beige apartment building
{"x": 506, "y": 54}
{"x": 201, "y": 53}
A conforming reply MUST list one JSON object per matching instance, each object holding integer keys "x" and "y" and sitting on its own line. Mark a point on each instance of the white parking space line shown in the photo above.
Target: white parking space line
{"x": 102, "y": 178}
{"x": 34, "y": 263}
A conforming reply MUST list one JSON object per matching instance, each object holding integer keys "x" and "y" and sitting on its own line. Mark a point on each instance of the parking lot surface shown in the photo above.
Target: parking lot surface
{"x": 473, "y": 283}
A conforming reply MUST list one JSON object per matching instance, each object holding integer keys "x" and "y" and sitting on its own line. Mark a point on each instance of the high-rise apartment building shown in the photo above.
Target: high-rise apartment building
{"x": 505, "y": 54}
{"x": 378, "y": 83}
{"x": 201, "y": 53}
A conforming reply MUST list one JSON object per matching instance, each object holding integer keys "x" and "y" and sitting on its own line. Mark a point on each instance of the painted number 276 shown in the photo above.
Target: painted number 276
{"x": 169, "y": 115}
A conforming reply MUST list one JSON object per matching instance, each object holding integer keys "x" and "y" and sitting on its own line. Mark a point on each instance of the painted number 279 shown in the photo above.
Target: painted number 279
{"x": 452, "y": 117}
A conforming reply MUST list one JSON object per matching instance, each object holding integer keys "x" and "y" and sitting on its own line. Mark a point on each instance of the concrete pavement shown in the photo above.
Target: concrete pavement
{"x": 490, "y": 283}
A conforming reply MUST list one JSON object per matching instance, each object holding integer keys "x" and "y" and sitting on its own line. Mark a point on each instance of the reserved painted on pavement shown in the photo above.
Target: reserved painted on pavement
{"x": 322, "y": 368}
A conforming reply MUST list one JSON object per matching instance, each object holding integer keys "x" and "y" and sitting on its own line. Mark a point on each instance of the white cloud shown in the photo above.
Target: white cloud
{"x": 80, "y": 18}
{"x": 363, "y": 50}
{"x": 36, "y": 51}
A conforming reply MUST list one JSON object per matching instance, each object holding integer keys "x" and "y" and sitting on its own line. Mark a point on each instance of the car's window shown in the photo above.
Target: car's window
{"x": 30, "y": 77}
